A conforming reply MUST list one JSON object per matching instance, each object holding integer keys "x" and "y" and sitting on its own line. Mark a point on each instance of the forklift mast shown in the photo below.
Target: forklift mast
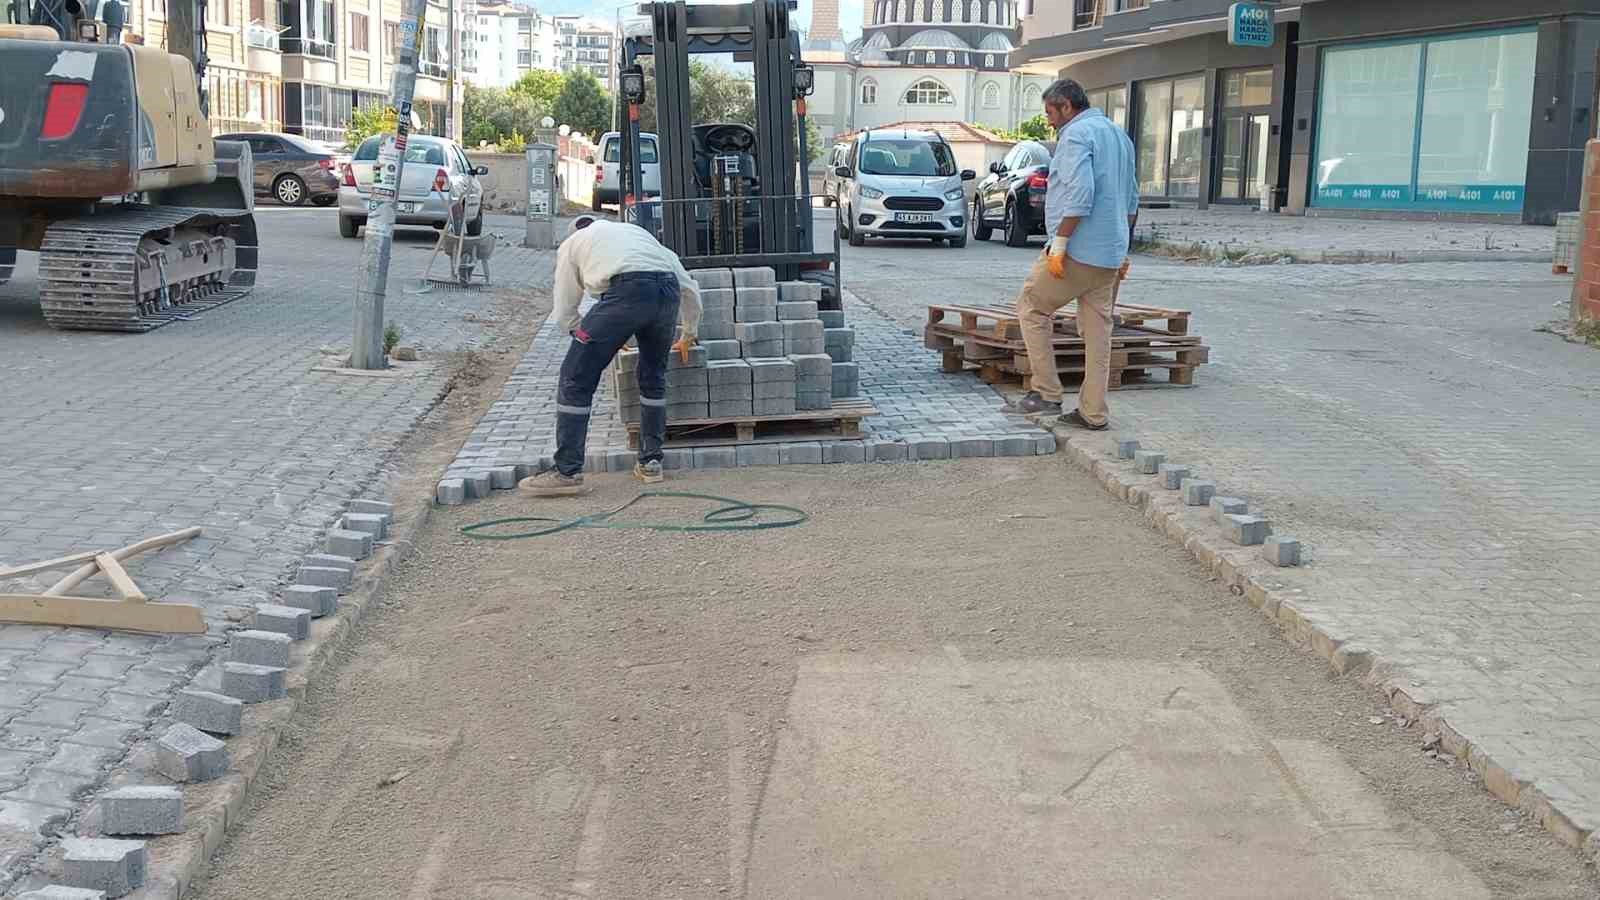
{"x": 758, "y": 32}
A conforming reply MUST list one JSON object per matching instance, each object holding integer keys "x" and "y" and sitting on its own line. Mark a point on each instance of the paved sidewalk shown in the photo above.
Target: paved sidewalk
{"x": 223, "y": 422}
{"x": 1435, "y": 453}
{"x": 1257, "y": 238}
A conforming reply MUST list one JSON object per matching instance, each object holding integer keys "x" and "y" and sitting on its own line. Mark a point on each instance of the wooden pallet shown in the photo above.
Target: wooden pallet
{"x": 840, "y": 422}
{"x": 1004, "y": 324}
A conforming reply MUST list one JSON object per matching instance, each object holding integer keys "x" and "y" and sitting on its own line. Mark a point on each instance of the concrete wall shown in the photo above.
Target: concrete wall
{"x": 505, "y": 190}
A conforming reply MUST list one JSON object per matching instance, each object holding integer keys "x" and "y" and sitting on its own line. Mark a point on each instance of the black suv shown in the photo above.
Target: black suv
{"x": 1011, "y": 198}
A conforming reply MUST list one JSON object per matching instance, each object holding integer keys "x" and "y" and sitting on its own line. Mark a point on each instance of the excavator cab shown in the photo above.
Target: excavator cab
{"x": 732, "y": 194}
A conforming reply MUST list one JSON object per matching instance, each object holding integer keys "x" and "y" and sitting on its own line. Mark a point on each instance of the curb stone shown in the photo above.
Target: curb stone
{"x": 1244, "y": 572}
{"x": 1212, "y": 253}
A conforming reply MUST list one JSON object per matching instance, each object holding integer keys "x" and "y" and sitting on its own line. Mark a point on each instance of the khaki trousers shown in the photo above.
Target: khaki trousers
{"x": 1042, "y": 294}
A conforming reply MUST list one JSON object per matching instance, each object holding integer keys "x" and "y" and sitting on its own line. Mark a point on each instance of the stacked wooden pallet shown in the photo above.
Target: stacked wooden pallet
{"x": 1145, "y": 339}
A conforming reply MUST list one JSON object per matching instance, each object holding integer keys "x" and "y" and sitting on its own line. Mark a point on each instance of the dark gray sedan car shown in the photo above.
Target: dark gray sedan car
{"x": 291, "y": 169}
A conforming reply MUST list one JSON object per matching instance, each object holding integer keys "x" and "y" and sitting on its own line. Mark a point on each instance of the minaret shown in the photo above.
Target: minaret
{"x": 825, "y": 21}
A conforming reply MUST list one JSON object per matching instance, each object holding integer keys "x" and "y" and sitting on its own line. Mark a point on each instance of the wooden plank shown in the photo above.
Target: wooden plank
{"x": 950, "y": 362}
{"x": 58, "y": 563}
{"x": 118, "y": 576}
{"x": 82, "y": 573}
{"x": 86, "y": 612}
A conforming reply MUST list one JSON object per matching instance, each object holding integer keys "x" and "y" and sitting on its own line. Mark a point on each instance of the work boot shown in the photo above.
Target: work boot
{"x": 1077, "y": 420}
{"x": 1033, "y": 403}
{"x": 554, "y": 484}
{"x": 649, "y": 472}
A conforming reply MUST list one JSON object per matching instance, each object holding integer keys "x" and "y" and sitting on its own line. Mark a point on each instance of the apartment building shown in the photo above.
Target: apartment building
{"x": 510, "y": 41}
{"x": 588, "y": 44}
{"x": 1412, "y": 108}
{"x": 244, "y": 77}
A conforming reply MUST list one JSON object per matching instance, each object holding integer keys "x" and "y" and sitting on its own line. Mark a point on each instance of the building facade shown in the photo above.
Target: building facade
{"x": 1414, "y": 108}
{"x": 590, "y": 45}
{"x": 508, "y": 42}
{"x": 921, "y": 60}
{"x": 244, "y": 76}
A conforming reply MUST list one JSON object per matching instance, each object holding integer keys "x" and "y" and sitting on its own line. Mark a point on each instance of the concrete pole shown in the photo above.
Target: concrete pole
{"x": 366, "y": 350}
{"x": 451, "y": 131}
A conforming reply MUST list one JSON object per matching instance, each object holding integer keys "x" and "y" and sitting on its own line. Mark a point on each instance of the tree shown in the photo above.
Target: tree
{"x": 495, "y": 114}
{"x": 583, "y": 104}
{"x": 366, "y": 121}
{"x": 541, "y": 85}
{"x": 1034, "y": 129}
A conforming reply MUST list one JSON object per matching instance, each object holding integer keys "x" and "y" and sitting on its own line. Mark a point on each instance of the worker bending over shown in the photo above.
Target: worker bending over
{"x": 644, "y": 292}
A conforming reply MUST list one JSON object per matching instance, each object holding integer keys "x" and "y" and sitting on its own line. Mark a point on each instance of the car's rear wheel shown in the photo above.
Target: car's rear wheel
{"x": 979, "y": 230}
{"x": 1016, "y": 227}
{"x": 289, "y": 190}
{"x": 348, "y": 227}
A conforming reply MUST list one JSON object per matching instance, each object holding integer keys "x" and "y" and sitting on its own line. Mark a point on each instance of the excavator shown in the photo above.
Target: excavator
{"x": 109, "y": 172}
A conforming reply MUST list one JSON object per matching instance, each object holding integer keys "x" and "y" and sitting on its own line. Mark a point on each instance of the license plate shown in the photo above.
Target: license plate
{"x": 407, "y": 207}
{"x": 913, "y": 217}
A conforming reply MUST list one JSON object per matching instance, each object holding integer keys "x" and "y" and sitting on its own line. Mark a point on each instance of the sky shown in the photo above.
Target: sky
{"x": 849, "y": 11}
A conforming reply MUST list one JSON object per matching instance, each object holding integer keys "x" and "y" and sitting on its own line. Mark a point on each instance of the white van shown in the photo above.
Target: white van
{"x": 608, "y": 169}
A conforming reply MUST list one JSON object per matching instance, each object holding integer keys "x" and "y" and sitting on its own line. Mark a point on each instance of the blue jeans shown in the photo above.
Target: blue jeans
{"x": 641, "y": 305}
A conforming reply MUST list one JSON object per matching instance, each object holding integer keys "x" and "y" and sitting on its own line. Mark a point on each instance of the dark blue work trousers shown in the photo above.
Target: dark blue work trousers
{"x": 642, "y": 305}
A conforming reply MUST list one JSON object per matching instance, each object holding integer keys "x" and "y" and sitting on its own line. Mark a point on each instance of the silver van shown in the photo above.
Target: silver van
{"x": 898, "y": 183}
{"x": 608, "y": 169}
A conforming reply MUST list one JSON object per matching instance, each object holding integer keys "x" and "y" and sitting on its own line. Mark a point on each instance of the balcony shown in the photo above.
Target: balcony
{"x": 260, "y": 36}
{"x": 308, "y": 47}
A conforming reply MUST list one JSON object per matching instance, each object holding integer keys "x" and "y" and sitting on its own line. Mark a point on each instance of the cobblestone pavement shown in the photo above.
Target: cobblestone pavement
{"x": 221, "y": 422}
{"x": 1407, "y": 422}
{"x": 922, "y": 414}
{"x": 1310, "y": 238}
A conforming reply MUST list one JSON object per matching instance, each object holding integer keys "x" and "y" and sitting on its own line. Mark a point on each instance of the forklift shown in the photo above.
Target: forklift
{"x": 732, "y": 196}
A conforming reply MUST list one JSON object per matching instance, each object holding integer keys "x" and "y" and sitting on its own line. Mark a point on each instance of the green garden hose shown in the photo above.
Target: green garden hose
{"x": 735, "y": 515}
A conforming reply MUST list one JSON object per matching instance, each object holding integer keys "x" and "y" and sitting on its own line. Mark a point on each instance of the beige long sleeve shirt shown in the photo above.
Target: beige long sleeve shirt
{"x": 589, "y": 259}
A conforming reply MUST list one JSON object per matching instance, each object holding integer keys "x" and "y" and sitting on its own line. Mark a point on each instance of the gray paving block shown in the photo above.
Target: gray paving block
{"x": 253, "y": 684}
{"x": 104, "y": 864}
{"x": 596, "y": 461}
{"x": 727, "y": 371}
{"x": 720, "y": 298}
{"x": 1148, "y": 461}
{"x": 621, "y": 460}
{"x": 792, "y": 291}
{"x": 262, "y": 647}
{"x": 450, "y": 492}
{"x": 501, "y": 478}
{"x": 316, "y": 599}
{"x": 800, "y": 453}
{"x": 1126, "y": 448}
{"x": 697, "y": 360}
{"x": 1246, "y": 531}
{"x": 1044, "y": 444}
{"x": 758, "y": 333}
{"x": 721, "y": 350}
{"x": 1197, "y": 492}
{"x": 813, "y": 400}
{"x": 687, "y": 394}
{"x": 712, "y": 278}
{"x": 479, "y": 484}
{"x": 142, "y": 809}
{"x": 853, "y": 451}
{"x": 626, "y": 361}
{"x": 928, "y": 448}
{"x": 1172, "y": 475}
{"x": 62, "y": 892}
{"x": 372, "y": 507}
{"x": 831, "y": 318}
{"x": 817, "y": 364}
{"x": 1281, "y": 551}
{"x": 797, "y": 309}
{"x": 759, "y": 276}
{"x": 716, "y": 457}
{"x": 687, "y": 377}
{"x": 773, "y": 406}
{"x": 764, "y": 297}
{"x": 771, "y": 368}
{"x": 765, "y": 349}
{"x": 745, "y": 391}
{"x": 677, "y": 412}
{"x": 759, "y": 455}
{"x": 971, "y": 446}
{"x": 1013, "y": 445}
{"x": 358, "y": 544}
{"x": 676, "y": 458}
{"x": 770, "y": 390}
{"x": 716, "y": 330}
{"x": 329, "y": 560}
{"x": 377, "y": 526}
{"x": 846, "y": 379}
{"x": 754, "y": 314}
{"x": 886, "y": 451}
{"x": 185, "y": 753}
{"x": 730, "y": 409}
{"x": 208, "y": 711}
{"x": 1222, "y": 507}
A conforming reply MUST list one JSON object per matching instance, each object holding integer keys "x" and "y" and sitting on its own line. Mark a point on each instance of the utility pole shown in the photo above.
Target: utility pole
{"x": 366, "y": 350}
{"x": 450, "y": 74}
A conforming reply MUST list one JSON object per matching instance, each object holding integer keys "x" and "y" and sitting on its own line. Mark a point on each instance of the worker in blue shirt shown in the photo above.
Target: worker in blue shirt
{"x": 1089, "y": 210}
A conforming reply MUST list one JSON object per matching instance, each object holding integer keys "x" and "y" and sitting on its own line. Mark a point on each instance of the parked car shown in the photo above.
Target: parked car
{"x": 1011, "y": 198}
{"x": 290, "y": 168}
{"x": 608, "y": 169}
{"x": 436, "y": 175}
{"x": 838, "y": 155}
{"x": 899, "y": 183}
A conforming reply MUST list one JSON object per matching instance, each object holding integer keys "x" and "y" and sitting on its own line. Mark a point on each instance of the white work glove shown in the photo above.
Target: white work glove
{"x": 1057, "y": 262}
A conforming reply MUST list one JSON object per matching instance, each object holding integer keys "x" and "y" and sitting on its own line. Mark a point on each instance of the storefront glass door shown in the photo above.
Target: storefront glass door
{"x": 1246, "y": 126}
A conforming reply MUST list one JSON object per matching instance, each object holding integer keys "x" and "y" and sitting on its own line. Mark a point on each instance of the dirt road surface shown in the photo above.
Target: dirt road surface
{"x": 977, "y": 679}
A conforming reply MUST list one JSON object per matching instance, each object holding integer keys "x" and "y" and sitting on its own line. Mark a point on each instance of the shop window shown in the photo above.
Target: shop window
{"x": 1477, "y": 108}
{"x": 1367, "y": 124}
{"x": 1251, "y": 87}
{"x": 1171, "y": 127}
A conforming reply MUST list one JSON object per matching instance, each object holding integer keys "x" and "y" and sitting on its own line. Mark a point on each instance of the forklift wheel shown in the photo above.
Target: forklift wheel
{"x": 830, "y": 288}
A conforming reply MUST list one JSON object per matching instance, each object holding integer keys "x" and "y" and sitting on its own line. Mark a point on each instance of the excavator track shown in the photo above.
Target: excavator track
{"x": 134, "y": 268}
